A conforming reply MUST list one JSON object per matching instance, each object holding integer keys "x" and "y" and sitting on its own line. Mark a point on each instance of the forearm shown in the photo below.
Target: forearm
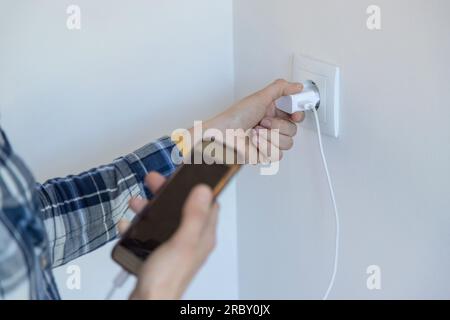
{"x": 81, "y": 212}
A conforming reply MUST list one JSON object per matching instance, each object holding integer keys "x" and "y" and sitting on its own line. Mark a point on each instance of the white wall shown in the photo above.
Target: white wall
{"x": 390, "y": 165}
{"x": 71, "y": 100}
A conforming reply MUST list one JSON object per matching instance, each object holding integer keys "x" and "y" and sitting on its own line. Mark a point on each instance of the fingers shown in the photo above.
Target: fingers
{"x": 196, "y": 213}
{"x": 154, "y": 181}
{"x": 137, "y": 204}
{"x": 282, "y": 87}
{"x": 211, "y": 228}
{"x": 285, "y": 127}
{"x": 298, "y": 117}
{"x": 267, "y": 151}
{"x": 123, "y": 226}
{"x": 282, "y": 142}
{"x": 214, "y": 216}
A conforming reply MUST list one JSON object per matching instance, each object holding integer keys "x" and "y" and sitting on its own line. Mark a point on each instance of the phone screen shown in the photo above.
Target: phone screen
{"x": 159, "y": 220}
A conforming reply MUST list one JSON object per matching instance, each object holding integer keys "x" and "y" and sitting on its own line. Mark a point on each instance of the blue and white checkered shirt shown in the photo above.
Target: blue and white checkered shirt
{"x": 46, "y": 225}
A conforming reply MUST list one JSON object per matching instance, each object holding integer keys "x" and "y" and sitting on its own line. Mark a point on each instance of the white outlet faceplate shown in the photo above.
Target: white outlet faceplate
{"x": 327, "y": 79}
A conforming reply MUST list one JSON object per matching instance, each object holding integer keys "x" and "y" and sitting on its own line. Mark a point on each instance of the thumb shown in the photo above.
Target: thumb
{"x": 280, "y": 88}
{"x": 196, "y": 211}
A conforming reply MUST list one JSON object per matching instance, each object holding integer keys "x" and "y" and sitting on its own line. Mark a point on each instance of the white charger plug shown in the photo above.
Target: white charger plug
{"x": 308, "y": 99}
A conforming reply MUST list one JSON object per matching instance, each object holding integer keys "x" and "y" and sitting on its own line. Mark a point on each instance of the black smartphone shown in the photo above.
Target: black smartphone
{"x": 162, "y": 217}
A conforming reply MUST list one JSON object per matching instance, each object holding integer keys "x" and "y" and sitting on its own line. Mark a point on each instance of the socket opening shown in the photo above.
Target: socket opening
{"x": 318, "y": 92}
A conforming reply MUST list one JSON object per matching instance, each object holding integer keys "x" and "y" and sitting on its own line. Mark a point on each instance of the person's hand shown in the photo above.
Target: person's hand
{"x": 171, "y": 267}
{"x": 258, "y": 111}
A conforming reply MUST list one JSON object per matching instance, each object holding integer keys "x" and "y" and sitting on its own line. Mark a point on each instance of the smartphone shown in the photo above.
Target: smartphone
{"x": 162, "y": 217}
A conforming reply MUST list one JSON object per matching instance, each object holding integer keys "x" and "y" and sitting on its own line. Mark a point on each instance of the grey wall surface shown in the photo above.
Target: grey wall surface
{"x": 72, "y": 100}
{"x": 391, "y": 165}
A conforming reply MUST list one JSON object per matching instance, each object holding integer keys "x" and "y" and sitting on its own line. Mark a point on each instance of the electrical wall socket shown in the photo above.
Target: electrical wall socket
{"x": 327, "y": 79}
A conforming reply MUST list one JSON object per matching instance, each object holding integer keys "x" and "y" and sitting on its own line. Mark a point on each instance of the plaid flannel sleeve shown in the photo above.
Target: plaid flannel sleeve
{"x": 81, "y": 212}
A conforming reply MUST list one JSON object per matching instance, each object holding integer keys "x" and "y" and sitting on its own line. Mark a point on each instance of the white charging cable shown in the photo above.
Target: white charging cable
{"x": 118, "y": 282}
{"x": 333, "y": 199}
